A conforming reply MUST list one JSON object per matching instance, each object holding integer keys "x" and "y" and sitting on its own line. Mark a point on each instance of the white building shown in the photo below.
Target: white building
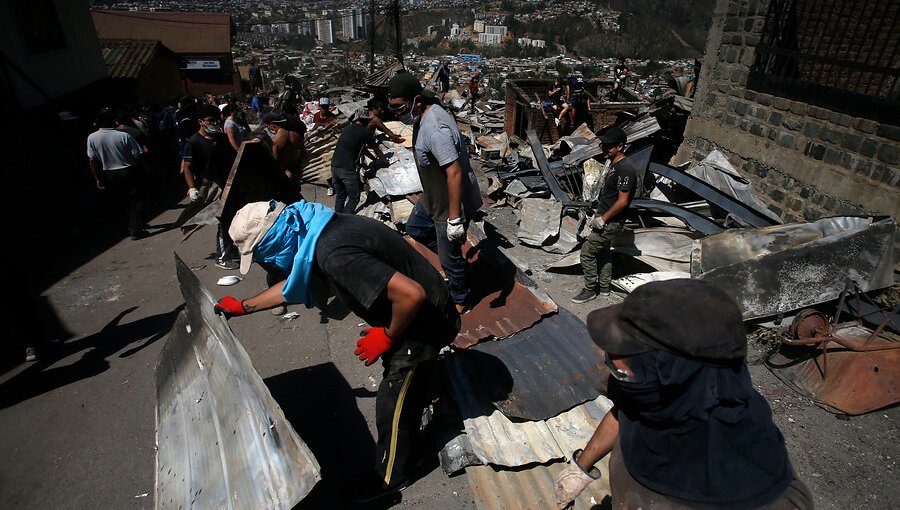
{"x": 305, "y": 27}
{"x": 455, "y": 31}
{"x": 523, "y": 41}
{"x": 489, "y": 38}
{"x": 495, "y": 29}
{"x": 478, "y": 27}
{"x": 325, "y": 31}
{"x": 349, "y": 27}
{"x": 538, "y": 43}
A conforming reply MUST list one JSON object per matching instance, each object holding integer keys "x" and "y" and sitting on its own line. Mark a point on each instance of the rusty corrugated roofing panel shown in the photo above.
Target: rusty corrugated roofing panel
{"x": 505, "y": 306}
{"x": 529, "y": 489}
{"x": 381, "y": 77}
{"x": 182, "y": 32}
{"x": 222, "y": 440}
{"x": 320, "y": 144}
{"x": 125, "y": 58}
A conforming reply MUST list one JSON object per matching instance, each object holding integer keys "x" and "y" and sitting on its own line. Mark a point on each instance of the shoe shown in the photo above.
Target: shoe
{"x": 375, "y": 489}
{"x": 330, "y": 192}
{"x": 557, "y": 122}
{"x": 31, "y": 354}
{"x": 279, "y": 310}
{"x": 139, "y": 234}
{"x": 230, "y": 265}
{"x": 584, "y": 296}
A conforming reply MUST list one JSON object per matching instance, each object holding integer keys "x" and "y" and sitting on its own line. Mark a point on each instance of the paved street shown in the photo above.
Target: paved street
{"x": 78, "y": 427}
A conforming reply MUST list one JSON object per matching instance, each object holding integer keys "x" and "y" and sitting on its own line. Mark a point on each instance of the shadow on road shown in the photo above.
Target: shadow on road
{"x": 42, "y": 377}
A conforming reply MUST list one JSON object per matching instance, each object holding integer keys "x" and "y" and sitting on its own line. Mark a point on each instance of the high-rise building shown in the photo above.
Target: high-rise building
{"x": 325, "y": 31}
{"x": 495, "y": 29}
{"x": 489, "y": 38}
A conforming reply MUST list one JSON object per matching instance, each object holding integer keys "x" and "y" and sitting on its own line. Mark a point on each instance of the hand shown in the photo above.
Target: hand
{"x": 597, "y": 223}
{"x": 100, "y": 184}
{"x": 456, "y": 230}
{"x": 374, "y": 343}
{"x": 571, "y": 482}
{"x": 398, "y": 139}
{"x": 230, "y": 306}
{"x": 194, "y": 194}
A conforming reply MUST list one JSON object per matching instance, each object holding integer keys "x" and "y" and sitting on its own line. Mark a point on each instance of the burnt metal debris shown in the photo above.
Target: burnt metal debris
{"x": 775, "y": 270}
{"x": 845, "y": 367}
{"x": 222, "y": 440}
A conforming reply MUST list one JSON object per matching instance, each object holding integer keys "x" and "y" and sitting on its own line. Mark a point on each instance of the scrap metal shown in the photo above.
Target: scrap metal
{"x": 222, "y": 440}
{"x": 541, "y": 160}
{"x": 535, "y": 487}
{"x": 778, "y": 269}
{"x": 718, "y": 171}
{"x": 696, "y": 221}
{"x": 539, "y": 221}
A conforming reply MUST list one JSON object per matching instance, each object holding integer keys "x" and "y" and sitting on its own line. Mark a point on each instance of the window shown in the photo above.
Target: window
{"x": 841, "y": 55}
{"x": 40, "y": 26}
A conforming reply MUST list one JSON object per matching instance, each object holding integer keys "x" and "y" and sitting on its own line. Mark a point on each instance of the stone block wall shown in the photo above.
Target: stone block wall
{"x": 806, "y": 162}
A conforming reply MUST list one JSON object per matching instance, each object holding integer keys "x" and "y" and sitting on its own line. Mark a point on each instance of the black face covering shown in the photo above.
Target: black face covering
{"x": 699, "y": 432}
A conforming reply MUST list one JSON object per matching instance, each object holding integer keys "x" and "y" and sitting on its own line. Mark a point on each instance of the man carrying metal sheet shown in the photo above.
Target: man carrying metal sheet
{"x": 615, "y": 197}
{"x": 381, "y": 278}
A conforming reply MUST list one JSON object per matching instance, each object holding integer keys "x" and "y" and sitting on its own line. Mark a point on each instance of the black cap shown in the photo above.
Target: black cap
{"x": 404, "y": 85}
{"x": 613, "y": 136}
{"x": 689, "y": 317}
{"x": 273, "y": 117}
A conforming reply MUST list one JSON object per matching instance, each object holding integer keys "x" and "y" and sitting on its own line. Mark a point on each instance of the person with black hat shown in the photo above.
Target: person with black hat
{"x": 355, "y": 141}
{"x": 616, "y": 194}
{"x": 373, "y": 271}
{"x": 687, "y": 429}
{"x": 450, "y": 190}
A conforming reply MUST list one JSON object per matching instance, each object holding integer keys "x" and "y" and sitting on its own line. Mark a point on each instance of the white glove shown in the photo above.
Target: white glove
{"x": 597, "y": 223}
{"x": 456, "y": 230}
{"x": 571, "y": 482}
{"x": 194, "y": 194}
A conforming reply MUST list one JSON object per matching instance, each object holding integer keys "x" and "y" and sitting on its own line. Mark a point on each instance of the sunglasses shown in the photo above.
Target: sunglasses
{"x": 398, "y": 107}
{"x": 617, "y": 372}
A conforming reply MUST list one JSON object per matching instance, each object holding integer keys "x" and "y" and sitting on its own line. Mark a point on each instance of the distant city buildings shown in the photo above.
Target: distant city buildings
{"x": 495, "y": 29}
{"x": 325, "y": 31}
{"x": 489, "y": 38}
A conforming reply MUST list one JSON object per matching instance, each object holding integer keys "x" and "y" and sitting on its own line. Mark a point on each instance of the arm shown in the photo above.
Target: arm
{"x": 454, "y": 188}
{"x": 231, "y": 139}
{"x": 95, "y": 170}
{"x": 406, "y": 296}
{"x": 188, "y": 174}
{"x": 379, "y": 124}
{"x": 621, "y": 204}
{"x": 269, "y": 298}
{"x": 602, "y": 442}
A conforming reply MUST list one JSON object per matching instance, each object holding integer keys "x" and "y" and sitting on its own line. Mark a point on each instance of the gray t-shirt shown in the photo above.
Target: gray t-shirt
{"x": 115, "y": 149}
{"x": 437, "y": 142}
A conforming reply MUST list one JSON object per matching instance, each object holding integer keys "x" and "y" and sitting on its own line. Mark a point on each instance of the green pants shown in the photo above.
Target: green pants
{"x": 596, "y": 258}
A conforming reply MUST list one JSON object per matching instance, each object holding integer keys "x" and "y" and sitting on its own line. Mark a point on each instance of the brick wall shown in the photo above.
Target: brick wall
{"x": 806, "y": 162}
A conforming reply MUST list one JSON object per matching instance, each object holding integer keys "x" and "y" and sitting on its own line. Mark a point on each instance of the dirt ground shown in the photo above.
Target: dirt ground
{"x": 77, "y": 427}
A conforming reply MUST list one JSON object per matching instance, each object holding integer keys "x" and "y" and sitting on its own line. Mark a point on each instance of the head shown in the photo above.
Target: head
{"x": 612, "y": 142}
{"x": 325, "y": 104}
{"x": 376, "y": 106}
{"x": 250, "y": 225}
{"x": 622, "y": 60}
{"x": 208, "y": 117}
{"x": 689, "y": 318}
{"x": 273, "y": 122}
{"x": 361, "y": 116}
{"x": 406, "y": 98}
{"x": 106, "y": 118}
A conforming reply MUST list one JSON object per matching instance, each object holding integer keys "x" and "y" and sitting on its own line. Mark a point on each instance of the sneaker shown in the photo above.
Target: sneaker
{"x": 375, "y": 489}
{"x": 31, "y": 354}
{"x": 557, "y": 122}
{"x": 330, "y": 192}
{"x": 230, "y": 265}
{"x": 585, "y": 295}
{"x": 279, "y": 310}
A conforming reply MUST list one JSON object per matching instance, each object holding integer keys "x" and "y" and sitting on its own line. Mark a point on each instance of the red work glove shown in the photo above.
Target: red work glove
{"x": 374, "y": 343}
{"x": 230, "y": 306}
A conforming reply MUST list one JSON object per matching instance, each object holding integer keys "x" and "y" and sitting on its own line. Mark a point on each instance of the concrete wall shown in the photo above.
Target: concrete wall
{"x": 806, "y": 162}
{"x": 57, "y": 72}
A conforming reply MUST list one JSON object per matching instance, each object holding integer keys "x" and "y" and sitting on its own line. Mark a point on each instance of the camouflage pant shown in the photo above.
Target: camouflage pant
{"x": 596, "y": 258}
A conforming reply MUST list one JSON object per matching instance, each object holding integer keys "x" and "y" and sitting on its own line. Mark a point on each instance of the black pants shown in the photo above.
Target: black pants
{"x": 404, "y": 393}
{"x": 225, "y": 248}
{"x": 129, "y": 186}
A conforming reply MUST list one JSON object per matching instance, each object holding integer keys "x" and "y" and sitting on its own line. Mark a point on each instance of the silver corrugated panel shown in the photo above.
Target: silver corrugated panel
{"x": 641, "y": 127}
{"x": 539, "y": 220}
{"x": 222, "y": 440}
{"x": 320, "y": 144}
{"x": 529, "y": 489}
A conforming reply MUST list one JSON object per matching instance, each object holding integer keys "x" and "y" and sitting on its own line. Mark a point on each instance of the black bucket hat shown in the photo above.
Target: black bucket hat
{"x": 689, "y": 317}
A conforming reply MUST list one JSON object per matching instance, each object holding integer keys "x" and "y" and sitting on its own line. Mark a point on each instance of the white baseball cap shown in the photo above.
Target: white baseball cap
{"x": 249, "y": 225}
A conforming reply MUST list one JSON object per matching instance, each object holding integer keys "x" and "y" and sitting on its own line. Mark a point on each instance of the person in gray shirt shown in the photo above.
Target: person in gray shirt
{"x": 450, "y": 191}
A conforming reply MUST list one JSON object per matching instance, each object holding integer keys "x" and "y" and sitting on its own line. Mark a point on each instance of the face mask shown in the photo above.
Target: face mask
{"x": 270, "y": 132}
{"x": 408, "y": 118}
{"x": 212, "y": 129}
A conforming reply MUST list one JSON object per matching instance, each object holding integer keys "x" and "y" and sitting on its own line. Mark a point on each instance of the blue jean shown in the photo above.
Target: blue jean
{"x": 433, "y": 234}
{"x": 346, "y": 190}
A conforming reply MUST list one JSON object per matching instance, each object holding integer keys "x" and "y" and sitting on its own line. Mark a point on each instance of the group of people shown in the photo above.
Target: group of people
{"x": 570, "y": 102}
{"x": 687, "y": 429}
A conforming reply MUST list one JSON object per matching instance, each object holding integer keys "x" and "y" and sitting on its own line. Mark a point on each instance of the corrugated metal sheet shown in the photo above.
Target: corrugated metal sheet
{"x": 522, "y": 372}
{"x": 320, "y": 144}
{"x": 181, "y": 32}
{"x": 505, "y": 306}
{"x": 641, "y": 127}
{"x": 662, "y": 248}
{"x": 539, "y": 221}
{"x": 381, "y": 77}
{"x": 126, "y": 58}
{"x": 222, "y": 440}
{"x": 530, "y": 489}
